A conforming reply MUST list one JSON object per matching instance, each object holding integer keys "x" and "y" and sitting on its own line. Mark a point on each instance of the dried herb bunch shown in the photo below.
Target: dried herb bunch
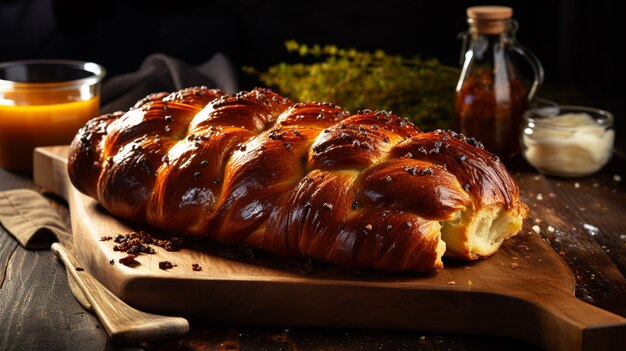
{"x": 420, "y": 90}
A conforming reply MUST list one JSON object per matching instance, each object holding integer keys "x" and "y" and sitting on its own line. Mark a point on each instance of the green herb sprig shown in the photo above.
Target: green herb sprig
{"x": 420, "y": 90}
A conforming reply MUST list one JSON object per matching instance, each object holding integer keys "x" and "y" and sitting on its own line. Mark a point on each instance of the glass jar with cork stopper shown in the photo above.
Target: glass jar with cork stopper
{"x": 490, "y": 96}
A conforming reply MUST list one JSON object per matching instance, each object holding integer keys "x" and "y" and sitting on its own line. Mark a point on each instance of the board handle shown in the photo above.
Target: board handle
{"x": 577, "y": 325}
{"x": 124, "y": 324}
{"x": 551, "y": 319}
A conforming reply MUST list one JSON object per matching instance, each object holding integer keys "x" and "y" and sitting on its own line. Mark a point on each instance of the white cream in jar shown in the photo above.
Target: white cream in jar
{"x": 568, "y": 141}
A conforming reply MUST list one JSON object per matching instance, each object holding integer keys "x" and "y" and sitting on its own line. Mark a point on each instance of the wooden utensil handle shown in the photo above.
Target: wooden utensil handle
{"x": 124, "y": 324}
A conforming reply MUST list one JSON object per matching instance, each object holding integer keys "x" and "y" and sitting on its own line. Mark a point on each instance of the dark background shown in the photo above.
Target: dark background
{"x": 581, "y": 43}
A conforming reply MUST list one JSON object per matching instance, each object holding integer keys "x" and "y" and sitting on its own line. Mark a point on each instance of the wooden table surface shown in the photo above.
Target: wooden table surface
{"x": 583, "y": 219}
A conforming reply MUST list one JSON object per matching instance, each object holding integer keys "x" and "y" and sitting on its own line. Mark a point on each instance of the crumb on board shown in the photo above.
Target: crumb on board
{"x": 136, "y": 243}
{"x": 536, "y": 229}
{"x": 128, "y": 260}
{"x": 196, "y": 267}
{"x": 166, "y": 265}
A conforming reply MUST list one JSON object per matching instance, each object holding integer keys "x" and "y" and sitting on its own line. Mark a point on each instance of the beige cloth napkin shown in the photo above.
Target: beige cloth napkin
{"x": 28, "y": 216}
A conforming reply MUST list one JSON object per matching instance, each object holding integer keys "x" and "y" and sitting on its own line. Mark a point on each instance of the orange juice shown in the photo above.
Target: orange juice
{"x": 44, "y": 102}
{"x": 34, "y": 122}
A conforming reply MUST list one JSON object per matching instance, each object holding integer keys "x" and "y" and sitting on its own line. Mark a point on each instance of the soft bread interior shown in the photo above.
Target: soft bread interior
{"x": 479, "y": 233}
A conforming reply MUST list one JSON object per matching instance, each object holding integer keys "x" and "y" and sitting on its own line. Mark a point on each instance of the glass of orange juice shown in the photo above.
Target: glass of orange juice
{"x": 44, "y": 102}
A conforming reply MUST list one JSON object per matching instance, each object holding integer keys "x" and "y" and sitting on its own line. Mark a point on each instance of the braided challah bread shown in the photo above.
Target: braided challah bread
{"x": 368, "y": 190}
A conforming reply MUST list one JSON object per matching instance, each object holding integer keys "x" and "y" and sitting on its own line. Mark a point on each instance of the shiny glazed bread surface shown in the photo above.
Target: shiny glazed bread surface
{"x": 367, "y": 190}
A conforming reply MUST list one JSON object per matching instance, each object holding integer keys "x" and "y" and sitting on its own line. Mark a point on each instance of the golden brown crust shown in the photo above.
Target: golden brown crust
{"x": 86, "y": 154}
{"x": 368, "y": 190}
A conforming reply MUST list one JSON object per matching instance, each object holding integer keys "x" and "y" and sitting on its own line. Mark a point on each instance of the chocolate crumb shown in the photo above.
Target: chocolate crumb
{"x": 111, "y": 261}
{"x": 355, "y": 205}
{"x": 166, "y": 265}
{"x": 196, "y": 267}
{"x": 106, "y": 238}
{"x": 80, "y": 269}
{"x": 137, "y": 243}
{"x": 128, "y": 260}
{"x": 172, "y": 244}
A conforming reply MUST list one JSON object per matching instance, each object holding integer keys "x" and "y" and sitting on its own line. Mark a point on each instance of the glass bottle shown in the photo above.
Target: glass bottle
{"x": 490, "y": 95}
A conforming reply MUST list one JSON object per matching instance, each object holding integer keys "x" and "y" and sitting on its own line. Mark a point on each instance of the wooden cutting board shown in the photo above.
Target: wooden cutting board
{"x": 524, "y": 291}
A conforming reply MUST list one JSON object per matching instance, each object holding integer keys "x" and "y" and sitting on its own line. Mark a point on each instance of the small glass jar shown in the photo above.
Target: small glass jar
{"x": 44, "y": 102}
{"x": 567, "y": 141}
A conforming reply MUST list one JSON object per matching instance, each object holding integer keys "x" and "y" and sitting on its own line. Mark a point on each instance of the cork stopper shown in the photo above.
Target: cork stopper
{"x": 489, "y": 19}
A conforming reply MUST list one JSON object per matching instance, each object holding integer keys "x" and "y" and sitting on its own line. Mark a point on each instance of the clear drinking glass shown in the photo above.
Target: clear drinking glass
{"x": 44, "y": 102}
